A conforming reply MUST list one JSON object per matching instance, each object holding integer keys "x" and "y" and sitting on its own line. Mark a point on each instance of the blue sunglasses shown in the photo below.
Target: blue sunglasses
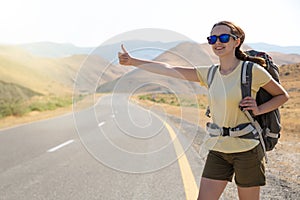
{"x": 224, "y": 38}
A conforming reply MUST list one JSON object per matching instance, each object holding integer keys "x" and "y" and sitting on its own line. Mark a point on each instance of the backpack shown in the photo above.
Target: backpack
{"x": 268, "y": 124}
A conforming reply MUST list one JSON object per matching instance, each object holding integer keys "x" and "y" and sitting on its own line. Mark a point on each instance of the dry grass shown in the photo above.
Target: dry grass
{"x": 32, "y": 117}
{"x": 36, "y": 115}
{"x": 290, "y": 111}
{"x": 187, "y": 113}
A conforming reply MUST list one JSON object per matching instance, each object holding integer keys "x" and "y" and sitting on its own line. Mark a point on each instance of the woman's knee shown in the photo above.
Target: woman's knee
{"x": 211, "y": 189}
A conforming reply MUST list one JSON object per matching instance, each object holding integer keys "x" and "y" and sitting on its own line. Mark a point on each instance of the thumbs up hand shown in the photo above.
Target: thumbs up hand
{"x": 124, "y": 57}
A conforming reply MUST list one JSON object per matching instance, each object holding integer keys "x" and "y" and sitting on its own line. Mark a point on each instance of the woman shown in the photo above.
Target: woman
{"x": 228, "y": 156}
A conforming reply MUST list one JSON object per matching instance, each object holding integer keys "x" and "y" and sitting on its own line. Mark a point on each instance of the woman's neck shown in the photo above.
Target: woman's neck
{"x": 228, "y": 65}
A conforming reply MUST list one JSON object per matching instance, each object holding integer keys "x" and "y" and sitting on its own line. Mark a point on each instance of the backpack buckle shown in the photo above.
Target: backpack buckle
{"x": 225, "y": 131}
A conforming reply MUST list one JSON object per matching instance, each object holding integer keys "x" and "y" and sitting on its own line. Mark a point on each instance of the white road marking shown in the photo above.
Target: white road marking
{"x": 60, "y": 146}
{"x": 101, "y": 124}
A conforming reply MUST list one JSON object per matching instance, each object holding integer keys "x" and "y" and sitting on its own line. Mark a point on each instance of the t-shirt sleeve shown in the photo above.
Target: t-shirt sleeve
{"x": 260, "y": 77}
{"x": 202, "y": 74}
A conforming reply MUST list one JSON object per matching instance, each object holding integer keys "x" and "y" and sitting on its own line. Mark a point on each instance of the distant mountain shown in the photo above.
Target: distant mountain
{"x": 139, "y": 48}
{"x": 143, "y": 49}
{"x": 283, "y": 59}
{"x": 54, "y": 50}
{"x": 188, "y": 54}
{"x": 275, "y": 48}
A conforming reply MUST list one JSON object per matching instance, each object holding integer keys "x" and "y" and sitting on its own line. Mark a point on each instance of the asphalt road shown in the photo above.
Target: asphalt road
{"x": 114, "y": 150}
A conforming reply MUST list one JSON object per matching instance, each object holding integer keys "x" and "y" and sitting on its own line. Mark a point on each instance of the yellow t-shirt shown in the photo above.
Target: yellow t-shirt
{"x": 224, "y": 97}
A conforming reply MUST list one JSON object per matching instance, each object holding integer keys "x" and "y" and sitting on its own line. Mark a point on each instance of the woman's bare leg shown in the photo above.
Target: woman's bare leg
{"x": 211, "y": 189}
{"x": 249, "y": 193}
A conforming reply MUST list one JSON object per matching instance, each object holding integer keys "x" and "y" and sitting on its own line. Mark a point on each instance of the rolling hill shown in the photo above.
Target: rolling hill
{"x": 188, "y": 54}
{"x": 84, "y": 73}
{"x": 54, "y": 50}
{"x": 53, "y": 75}
{"x": 275, "y": 48}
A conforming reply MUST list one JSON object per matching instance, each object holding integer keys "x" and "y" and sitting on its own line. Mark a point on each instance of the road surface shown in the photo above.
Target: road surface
{"x": 114, "y": 150}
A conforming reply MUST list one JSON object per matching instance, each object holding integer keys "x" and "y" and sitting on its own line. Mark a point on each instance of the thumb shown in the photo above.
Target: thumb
{"x": 123, "y": 48}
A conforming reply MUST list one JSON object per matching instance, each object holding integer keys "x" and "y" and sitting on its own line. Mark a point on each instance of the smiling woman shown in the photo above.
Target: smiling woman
{"x": 225, "y": 100}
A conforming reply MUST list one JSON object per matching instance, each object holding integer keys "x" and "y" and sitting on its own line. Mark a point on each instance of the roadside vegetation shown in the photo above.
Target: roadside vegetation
{"x": 184, "y": 100}
{"x": 19, "y": 107}
{"x": 16, "y": 100}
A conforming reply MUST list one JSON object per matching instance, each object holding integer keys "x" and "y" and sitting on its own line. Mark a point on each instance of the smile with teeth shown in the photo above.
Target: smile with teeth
{"x": 219, "y": 48}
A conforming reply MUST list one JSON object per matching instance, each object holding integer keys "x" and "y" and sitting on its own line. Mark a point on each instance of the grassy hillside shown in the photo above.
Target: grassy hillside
{"x": 30, "y": 83}
{"x": 54, "y": 76}
{"x": 290, "y": 79}
{"x": 12, "y": 96}
{"x": 14, "y": 91}
{"x": 38, "y": 74}
{"x": 16, "y": 100}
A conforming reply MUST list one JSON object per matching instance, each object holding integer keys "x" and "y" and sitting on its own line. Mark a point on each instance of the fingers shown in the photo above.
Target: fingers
{"x": 248, "y": 98}
{"x": 248, "y": 103}
{"x": 123, "y": 48}
{"x": 124, "y": 57}
{"x": 124, "y": 52}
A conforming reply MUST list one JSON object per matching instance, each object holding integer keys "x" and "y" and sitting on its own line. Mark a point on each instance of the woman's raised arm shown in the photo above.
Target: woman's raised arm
{"x": 186, "y": 73}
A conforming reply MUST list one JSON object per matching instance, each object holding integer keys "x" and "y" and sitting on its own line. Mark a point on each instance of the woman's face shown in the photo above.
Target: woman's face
{"x": 223, "y": 49}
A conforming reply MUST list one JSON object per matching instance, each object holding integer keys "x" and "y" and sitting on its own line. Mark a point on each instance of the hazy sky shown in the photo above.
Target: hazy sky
{"x": 92, "y": 22}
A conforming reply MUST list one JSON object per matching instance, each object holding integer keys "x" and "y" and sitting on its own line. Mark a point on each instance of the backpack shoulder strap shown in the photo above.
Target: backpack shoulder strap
{"x": 246, "y": 81}
{"x": 210, "y": 74}
{"x": 246, "y": 78}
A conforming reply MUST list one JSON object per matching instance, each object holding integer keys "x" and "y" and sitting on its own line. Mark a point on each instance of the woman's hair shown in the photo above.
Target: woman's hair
{"x": 237, "y": 31}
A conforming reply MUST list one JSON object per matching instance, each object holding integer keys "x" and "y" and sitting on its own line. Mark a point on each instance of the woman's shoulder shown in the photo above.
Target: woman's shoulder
{"x": 260, "y": 76}
{"x": 202, "y": 71}
{"x": 258, "y": 69}
{"x": 203, "y": 66}
{"x": 257, "y": 66}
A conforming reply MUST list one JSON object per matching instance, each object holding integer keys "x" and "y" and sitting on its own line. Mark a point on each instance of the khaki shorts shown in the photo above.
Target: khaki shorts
{"x": 248, "y": 167}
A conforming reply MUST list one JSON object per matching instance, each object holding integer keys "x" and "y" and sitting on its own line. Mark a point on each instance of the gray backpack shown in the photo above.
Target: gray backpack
{"x": 268, "y": 124}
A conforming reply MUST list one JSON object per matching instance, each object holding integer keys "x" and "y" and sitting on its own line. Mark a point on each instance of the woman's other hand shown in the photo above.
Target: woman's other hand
{"x": 249, "y": 103}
